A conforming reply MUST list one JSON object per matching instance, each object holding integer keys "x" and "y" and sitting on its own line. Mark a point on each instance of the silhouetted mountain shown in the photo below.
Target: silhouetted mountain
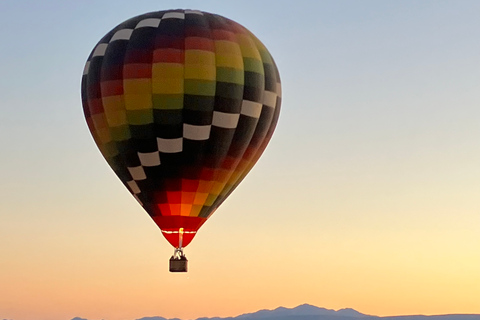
{"x": 302, "y": 312}
{"x": 309, "y": 312}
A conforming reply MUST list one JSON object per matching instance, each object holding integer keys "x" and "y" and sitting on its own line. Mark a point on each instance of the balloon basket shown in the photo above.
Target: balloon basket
{"x": 178, "y": 262}
{"x": 178, "y": 265}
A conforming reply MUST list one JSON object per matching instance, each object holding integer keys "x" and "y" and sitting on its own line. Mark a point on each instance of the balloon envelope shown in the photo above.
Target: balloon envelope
{"x": 181, "y": 104}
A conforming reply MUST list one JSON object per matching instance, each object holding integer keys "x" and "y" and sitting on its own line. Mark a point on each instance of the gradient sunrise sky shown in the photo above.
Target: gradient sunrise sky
{"x": 367, "y": 197}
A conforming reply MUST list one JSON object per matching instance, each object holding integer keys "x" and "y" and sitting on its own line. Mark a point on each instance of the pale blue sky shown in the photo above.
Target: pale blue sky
{"x": 378, "y": 144}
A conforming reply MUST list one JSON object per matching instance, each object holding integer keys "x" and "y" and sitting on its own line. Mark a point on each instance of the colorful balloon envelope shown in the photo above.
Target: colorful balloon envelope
{"x": 181, "y": 103}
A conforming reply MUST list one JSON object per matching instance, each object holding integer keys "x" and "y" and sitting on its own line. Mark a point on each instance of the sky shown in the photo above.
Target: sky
{"x": 367, "y": 196}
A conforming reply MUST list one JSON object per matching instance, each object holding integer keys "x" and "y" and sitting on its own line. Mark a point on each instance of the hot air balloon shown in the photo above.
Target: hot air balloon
{"x": 181, "y": 103}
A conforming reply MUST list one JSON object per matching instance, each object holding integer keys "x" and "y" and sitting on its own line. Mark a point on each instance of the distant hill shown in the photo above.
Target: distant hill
{"x": 309, "y": 312}
{"x": 302, "y": 312}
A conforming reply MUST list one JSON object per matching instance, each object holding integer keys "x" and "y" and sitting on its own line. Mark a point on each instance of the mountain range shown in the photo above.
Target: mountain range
{"x": 309, "y": 312}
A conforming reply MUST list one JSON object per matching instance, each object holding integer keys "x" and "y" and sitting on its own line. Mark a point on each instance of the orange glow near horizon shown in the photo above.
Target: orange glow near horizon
{"x": 377, "y": 273}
